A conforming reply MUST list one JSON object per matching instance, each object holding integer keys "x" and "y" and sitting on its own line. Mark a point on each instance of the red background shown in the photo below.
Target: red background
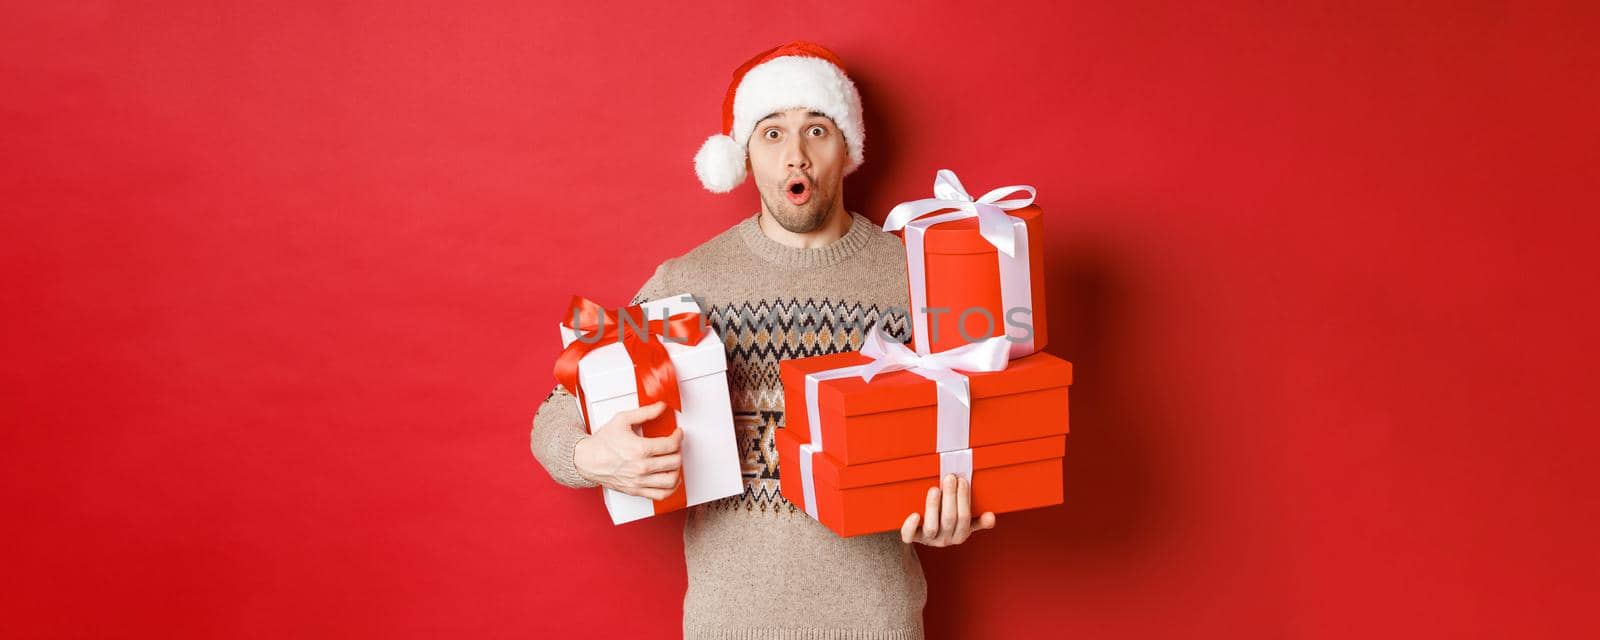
{"x": 281, "y": 281}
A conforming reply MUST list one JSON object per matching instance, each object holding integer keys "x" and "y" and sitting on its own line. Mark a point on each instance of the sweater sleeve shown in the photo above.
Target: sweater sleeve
{"x": 558, "y": 423}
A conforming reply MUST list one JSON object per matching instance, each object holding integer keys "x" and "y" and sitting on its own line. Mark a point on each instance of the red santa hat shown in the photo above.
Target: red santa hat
{"x": 796, "y": 75}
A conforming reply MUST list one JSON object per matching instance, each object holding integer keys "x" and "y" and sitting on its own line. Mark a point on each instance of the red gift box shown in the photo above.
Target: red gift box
{"x": 896, "y": 414}
{"x": 972, "y": 264}
{"x": 869, "y": 498}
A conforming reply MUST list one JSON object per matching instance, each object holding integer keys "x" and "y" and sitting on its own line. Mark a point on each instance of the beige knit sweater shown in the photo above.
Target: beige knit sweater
{"x": 757, "y": 566}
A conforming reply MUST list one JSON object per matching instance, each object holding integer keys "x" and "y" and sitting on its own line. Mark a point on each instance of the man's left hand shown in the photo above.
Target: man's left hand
{"x": 948, "y": 519}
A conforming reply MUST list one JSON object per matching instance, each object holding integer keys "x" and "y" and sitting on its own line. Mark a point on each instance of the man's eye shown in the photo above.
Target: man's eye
{"x": 818, "y": 131}
{"x": 772, "y": 134}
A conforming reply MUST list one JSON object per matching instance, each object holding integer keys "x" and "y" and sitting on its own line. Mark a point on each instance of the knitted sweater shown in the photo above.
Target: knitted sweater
{"x": 758, "y": 567}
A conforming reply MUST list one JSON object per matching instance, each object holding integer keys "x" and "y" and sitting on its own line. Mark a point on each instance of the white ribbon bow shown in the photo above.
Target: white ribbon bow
{"x": 993, "y": 223}
{"x": 991, "y": 354}
{"x": 1007, "y": 233}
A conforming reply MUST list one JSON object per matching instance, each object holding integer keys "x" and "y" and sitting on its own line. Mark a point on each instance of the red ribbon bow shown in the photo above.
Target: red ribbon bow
{"x": 654, "y": 376}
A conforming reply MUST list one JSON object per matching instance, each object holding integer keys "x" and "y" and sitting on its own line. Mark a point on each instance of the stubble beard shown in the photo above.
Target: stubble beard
{"x": 802, "y": 219}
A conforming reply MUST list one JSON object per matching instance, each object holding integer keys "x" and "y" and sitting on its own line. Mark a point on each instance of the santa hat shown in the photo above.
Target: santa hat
{"x": 796, "y": 75}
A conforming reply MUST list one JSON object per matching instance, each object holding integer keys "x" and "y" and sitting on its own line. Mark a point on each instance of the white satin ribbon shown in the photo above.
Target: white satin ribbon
{"x": 958, "y": 462}
{"x": 943, "y": 368}
{"x": 812, "y": 448}
{"x": 808, "y": 485}
{"x": 1008, "y": 234}
{"x": 954, "y": 395}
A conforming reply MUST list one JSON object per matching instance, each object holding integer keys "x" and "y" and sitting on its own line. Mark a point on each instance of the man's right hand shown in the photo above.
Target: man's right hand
{"x": 616, "y": 457}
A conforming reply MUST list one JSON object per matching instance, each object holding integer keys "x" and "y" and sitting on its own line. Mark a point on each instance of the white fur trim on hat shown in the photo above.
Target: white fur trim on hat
{"x": 720, "y": 163}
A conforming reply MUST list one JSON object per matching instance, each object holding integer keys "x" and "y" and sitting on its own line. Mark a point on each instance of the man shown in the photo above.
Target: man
{"x": 802, "y": 277}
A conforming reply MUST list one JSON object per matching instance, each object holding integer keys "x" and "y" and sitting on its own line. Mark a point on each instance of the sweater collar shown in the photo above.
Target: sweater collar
{"x": 796, "y": 258}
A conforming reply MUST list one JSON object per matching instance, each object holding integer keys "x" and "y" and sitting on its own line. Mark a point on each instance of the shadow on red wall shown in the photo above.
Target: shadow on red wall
{"x": 1118, "y": 498}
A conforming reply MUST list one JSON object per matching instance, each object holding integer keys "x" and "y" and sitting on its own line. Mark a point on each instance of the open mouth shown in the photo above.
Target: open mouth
{"x": 798, "y": 190}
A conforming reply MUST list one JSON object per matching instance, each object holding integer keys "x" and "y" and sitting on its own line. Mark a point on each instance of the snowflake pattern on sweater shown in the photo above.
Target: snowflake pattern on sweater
{"x": 756, "y": 336}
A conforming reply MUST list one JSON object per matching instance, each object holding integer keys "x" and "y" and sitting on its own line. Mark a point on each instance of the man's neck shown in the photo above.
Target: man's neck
{"x": 834, "y": 227}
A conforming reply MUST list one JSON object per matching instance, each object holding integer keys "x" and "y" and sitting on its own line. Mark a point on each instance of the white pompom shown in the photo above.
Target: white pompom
{"x": 720, "y": 163}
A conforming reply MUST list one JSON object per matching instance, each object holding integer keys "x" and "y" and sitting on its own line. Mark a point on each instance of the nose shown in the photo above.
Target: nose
{"x": 794, "y": 155}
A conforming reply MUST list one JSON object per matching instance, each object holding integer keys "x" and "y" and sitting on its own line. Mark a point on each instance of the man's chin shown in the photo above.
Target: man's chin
{"x": 802, "y": 219}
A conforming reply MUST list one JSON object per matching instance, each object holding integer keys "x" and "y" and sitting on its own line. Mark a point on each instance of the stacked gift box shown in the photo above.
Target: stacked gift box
{"x": 868, "y": 432}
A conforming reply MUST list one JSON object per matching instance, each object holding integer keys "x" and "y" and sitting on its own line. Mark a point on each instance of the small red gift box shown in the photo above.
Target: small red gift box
{"x": 896, "y": 415}
{"x": 976, "y": 267}
{"x": 869, "y": 498}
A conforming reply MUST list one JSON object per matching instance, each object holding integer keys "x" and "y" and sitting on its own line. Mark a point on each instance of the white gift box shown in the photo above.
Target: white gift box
{"x": 710, "y": 451}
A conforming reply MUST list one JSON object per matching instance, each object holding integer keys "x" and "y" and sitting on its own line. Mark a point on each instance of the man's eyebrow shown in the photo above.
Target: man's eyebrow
{"x": 809, "y": 114}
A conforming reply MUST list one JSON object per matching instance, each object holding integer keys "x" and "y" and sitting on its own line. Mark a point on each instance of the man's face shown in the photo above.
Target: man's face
{"x": 797, "y": 160}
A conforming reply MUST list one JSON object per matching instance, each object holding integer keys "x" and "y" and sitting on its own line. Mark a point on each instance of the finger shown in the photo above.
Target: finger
{"x": 930, "y": 517}
{"x": 987, "y": 521}
{"x": 670, "y": 462}
{"x": 666, "y": 480}
{"x": 647, "y": 492}
{"x": 657, "y": 494}
{"x": 963, "y": 512}
{"x": 908, "y": 531}
{"x": 947, "y": 514}
{"x": 644, "y": 413}
{"x": 665, "y": 444}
